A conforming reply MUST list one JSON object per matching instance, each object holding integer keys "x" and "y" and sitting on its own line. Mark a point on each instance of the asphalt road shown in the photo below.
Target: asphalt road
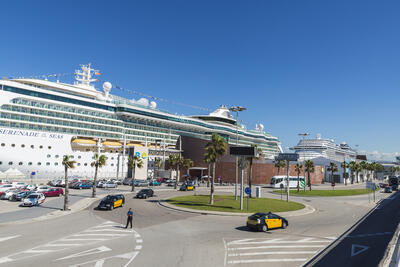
{"x": 164, "y": 237}
{"x": 365, "y": 245}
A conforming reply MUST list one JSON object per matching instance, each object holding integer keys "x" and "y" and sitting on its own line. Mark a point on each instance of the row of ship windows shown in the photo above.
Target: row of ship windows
{"x": 57, "y": 129}
{"x": 32, "y": 146}
{"x": 60, "y": 115}
{"x": 47, "y": 163}
{"x": 58, "y": 122}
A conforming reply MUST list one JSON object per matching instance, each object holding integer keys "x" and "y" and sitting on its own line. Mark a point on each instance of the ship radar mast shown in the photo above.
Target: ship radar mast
{"x": 83, "y": 76}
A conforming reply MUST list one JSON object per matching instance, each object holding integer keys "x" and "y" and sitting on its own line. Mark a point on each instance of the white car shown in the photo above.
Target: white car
{"x": 5, "y": 187}
{"x": 18, "y": 184}
{"x": 34, "y": 199}
{"x": 110, "y": 184}
{"x": 31, "y": 187}
{"x": 7, "y": 194}
{"x": 42, "y": 188}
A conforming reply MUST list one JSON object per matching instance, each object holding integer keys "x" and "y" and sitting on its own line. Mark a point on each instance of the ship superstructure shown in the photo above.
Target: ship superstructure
{"x": 43, "y": 120}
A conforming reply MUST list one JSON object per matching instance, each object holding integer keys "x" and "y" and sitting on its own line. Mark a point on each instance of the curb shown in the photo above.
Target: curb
{"x": 391, "y": 257}
{"x": 78, "y": 206}
{"x": 306, "y": 210}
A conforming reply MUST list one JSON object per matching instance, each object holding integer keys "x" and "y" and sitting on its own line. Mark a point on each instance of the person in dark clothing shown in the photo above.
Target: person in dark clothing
{"x": 129, "y": 219}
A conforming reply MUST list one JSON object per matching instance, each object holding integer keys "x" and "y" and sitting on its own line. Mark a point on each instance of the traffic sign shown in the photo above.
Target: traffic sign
{"x": 288, "y": 156}
{"x": 370, "y": 185}
{"x": 33, "y": 173}
{"x": 247, "y": 190}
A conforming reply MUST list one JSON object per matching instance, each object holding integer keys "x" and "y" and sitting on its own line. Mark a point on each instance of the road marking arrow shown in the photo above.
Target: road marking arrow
{"x": 87, "y": 252}
{"x": 360, "y": 248}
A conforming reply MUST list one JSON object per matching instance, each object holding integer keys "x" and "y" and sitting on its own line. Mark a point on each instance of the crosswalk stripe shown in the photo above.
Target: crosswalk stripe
{"x": 287, "y": 241}
{"x": 265, "y": 260}
{"x": 262, "y": 247}
{"x": 8, "y": 237}
{"x": 270, "y": 253}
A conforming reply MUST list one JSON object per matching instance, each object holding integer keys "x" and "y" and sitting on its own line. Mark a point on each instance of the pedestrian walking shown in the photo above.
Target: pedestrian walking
{"x": 129, "y": 219}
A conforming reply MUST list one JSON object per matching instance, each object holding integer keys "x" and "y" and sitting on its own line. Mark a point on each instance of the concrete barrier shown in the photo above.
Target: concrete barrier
{"x": 392, "y": 253}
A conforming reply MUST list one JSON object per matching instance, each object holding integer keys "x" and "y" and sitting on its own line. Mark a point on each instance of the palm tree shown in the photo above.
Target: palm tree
{"x": 353, "y": 168}
{"x": 344, "y": 165}
{"x": 99, "y": 161}
{"x": 358, "y": 169}
{"x": 364, "y": 168}
{"x": 298, "y": 168}
{"x": 392, "y": 169}
{"x": 309, "y": 168}
{"x": 279, "y": 164}
{"x": 175, "y": 161}
{"x": 134, "y": 162}
{"x": 214, "y": 149}
{"x": 260, "y": 156}
{"x": 68, "y": 164}
{"x": 188, "y": 163}
{"x": 332, "y": 168}
{"x": 158, "y": 164}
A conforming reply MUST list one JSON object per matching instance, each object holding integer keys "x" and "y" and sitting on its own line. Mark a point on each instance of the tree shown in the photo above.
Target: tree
{"x": 250, "y": 160}
{"x": 332, "y": 168}
{"x": 68, "y": 164}
{"x": 393, "y": 170}
{"x": 134, "y": 162}
{"x": 364, "y": 167}
{"x": 344, "y": 165}
{"x": 309, "y": 168}
{"x": 158, "y": 163}
{"x": 188, "y": 163}
{"x": 279, "y": 164}
{"x": 358, "y": 169}
{"x": 214, "y": 149}
{"x": 175, "y": 161}
{"x": 99, "y": 161}
{"x": 298, "y": 168}
{"x": 352, "y": 167}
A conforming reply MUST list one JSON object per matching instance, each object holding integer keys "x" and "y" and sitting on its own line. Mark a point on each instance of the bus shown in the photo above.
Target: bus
{"x": 280, "y": 180}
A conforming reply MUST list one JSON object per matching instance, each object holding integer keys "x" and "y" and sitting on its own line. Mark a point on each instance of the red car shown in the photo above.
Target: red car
{"x": 53, "y": 192}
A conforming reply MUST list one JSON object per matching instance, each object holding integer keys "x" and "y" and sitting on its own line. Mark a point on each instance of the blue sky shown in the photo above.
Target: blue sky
{"x": 329, "y": 67}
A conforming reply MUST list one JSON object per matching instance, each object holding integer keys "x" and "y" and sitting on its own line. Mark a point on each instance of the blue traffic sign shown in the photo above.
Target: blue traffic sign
{"x": 247, "y": 190}
{"x": 33, "y": 173}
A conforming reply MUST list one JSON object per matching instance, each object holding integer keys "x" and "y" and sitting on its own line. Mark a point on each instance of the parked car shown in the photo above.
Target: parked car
{"x": 7, "y": 194}
{"x": 145, "y": 193}
{"x": 110, "y": 184}
{"x": 388, "y": 189}
{"x": 171, "y": 183}
{"x": 266, "y": 221}
{"x": 112, "y": 201}
{"x": 187, "y": 187}
{"x": 154, "y": 183}
{"x": 5, "y": 187}
{"x": 127, "y": 181}
{"x": 42, "y": 188}
{"x": 141, "y": 183}
{"x": 82, "y": 186}
{"x": 53, "y": 192}
{"x": 34, "y": 199}
{"x": 31, "y": 187}
{"x": 20, "y": 195}
{"x": 18, "y": 184}
{"x": 383, "y": 185}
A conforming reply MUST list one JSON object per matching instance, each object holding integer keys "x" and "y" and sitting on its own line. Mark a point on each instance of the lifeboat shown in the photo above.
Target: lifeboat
{"x": 83, "y": 142}
{"x": 111, "y": 144}
{"x": 134, "y": 144}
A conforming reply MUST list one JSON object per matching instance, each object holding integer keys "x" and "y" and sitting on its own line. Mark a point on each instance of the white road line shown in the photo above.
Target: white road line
{"x": 106, "y": 230}
{"x": 264, "y": 260}
{"x": 5, "y": 259}
{"x": 262, "y": 247}
{"x": 286, "y": 241}
{"x": 87, "y": 252}
{"x": 99, "y": 263}
{"x": 139, "y": 241}
{"x": 38, "y": 251}
{"x": 8, "y": 237}
{"x": 138, "y": 247}
{"x": 84, "y": 239}
{"x": 60, "y": 245}
{"x": 270, "y": 253}
{"x": 100, "y": 234}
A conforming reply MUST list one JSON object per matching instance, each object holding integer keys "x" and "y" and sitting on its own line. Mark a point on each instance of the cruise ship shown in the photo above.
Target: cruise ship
{"x": 326, "y": 148}
{"x": 42, "y": 120}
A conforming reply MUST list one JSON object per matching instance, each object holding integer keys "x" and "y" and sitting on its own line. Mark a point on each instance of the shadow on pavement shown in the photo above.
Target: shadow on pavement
{"x": 246, "y": 229}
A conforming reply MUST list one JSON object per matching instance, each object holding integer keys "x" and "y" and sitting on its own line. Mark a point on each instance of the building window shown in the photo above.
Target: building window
{"x": 48, "y": 155}
{"x": 56, "y": 163}
{"x": 79, "y": 164}
{"x": 79, "y": 157}
{"x": 2, "y": 144}
{"x": 47, "y": 163}
{"x": 112, "y": 158}
{"x": 112, "y": 164}
{"x": 1, "y": 162}
{"x": 29, "y": 163}
{"x": 49, "y": 147}
{"x": 22, "y": 145}
{"x": 40, "y": 147}
{"x": 57, "y": 156}
{"x": 13, "y": 145}
{"x": 32, "y": 146}
{"x": 10, "y": 163}
{"x": 39, "y": 163}
{"x": 20, "y": 163}
{"x": 85, "y": 164}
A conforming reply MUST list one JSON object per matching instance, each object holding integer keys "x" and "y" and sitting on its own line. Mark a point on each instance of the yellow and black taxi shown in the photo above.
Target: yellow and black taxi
{"x": 111, "y": 201}
{"x": 187, "y": 187}
{"x": 265, "y": 221}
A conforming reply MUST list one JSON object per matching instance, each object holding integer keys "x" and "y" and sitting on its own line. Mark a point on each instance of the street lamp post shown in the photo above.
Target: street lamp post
{"x": 237, "y": 109}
